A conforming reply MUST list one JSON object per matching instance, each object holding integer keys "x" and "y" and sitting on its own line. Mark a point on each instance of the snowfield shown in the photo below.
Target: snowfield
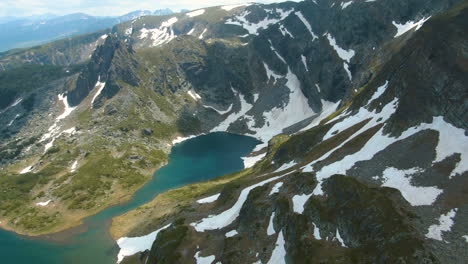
{"x": 132, "y": 245}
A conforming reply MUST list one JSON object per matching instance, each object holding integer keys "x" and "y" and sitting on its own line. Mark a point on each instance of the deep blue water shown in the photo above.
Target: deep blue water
{"x": 194, "y": 160}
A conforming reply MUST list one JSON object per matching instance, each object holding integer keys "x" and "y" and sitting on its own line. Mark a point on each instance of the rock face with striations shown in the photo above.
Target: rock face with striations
{"x": 111, "y": 62}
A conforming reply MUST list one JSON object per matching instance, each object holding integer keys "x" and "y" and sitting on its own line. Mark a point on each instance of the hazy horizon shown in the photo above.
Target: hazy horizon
{"x": 26, "y": 8}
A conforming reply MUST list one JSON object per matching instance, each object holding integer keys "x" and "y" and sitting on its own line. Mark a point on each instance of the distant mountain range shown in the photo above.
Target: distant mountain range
{"x": 21, "y": 32}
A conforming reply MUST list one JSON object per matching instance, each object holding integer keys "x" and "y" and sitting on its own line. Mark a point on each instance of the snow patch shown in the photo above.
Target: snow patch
{"x": 401, "y": 180}
{"x": 337, "y": 236}
{"x": 196, "y": 13}
{"x": 231, "y": 7}
{"x": 279, "y": 253}
{"x": 304, "y": 61}
{"x": 445, "y": 225}
{"x": 286, "y": 166}
{"x": 26, "y": 170}
{"x": 245, "y": 107}
{"x": 13, "y": 120}
{"x": 317, "y": 233}
{"x": 251, "y": 161}
{"x": 299, "y": 202}
{"x": 346, "y": 4}
{"x": 202, "y": 34}
{"x": 219, "y": 111}
{"x": 276, "y": 188}
{"x": 204, "y": 260}
{"x": 68, "y": 110}
{"x": 209, "y": 199}
{"x": 131, "y": 245}
{"x": 194, "y": 95}
{"x": 99, "y": 86}
{"x": 378, "y": 93}
{"x": 345, "y": 55}
{"x": 225, "y": 218}
{"x": 403, "y": 28}
{"x": 232, "y": 233}
{"x": 161, "y": 35}
{"x": 43, "y": 203}
{"x": 328, "y": 108}
{"x": 74, "y": 166}
{"x": 271, "y": 229}
{"x": 181, "y": 139}
{"x": 307, "y": 24}
{"x": 253, "y": 28}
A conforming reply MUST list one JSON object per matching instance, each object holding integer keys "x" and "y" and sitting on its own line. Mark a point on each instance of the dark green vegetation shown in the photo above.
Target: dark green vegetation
{"x": 27, "y": 78}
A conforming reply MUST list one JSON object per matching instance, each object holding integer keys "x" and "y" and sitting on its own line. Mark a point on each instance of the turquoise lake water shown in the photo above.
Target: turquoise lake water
{"x": 194, "y": 160}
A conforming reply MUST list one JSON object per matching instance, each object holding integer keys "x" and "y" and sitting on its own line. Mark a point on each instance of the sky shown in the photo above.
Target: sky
{"x": 104, "y": 7}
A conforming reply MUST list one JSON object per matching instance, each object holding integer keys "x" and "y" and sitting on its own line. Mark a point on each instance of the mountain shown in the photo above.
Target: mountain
{"x": 164, "y": 12}
{"x": 29, "y": 31}
{"x": 360, "y": 105}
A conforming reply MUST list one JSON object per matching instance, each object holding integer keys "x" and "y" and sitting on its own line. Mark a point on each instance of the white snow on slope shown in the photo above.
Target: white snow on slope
{"x": 276, "y": 188}
{"x": 26, "y": 170}
{"x": 328, "y": 108}
{"x": 99, "y": 86}
{"x": 345, "y": 55}
{"x": 271, "y": 229}
{"x": 196, "y": 13}
{"x": 279, "y": 253}
{"x": 202, "y": 35}
{"x": 285, "y": 31}
{"x": 13, "y": 120}
{"x": 251, "y": 161}
{"x": 307, "y": 24}
{"x": 131, "y": 245}
{"x": 68, "y": 110}
{"x": 346, "y": 4}
{"x": 15, "y": 103}
{"x": 232, "y": 233}
{"x": 445, "y": 225}
{"x": 160, "y": 35}
{"x": 378, "y": 142}
{"x": 339, "y": 238}
{"x": 380, "y": 90}
{"x": 270, "y": 73}
{"x": 74, "y": 166}
{"x": 43, "y": 203}
{"x": 304, "y": 61}
{"x": 181, "y": 139}
{"x": 466, "y": 238}
{"x": 299, "y": 202}
{"x": 286, "y": 166}
{"x": 403, "y": 28}
{"x": 209, "y": 199}
{"x": 296, "y": 109}
{"x": 203, "y": 260}
{"x": 221, "y": 112}
{"x": 194, "y": 95}
{"x": 54, "y": 130}
{"x": 401, "y": 180}
{"x": 317, "y": 233}
{"x": 230, "y": 7}
{"x": 253, "y": 28}
{"x": 225, "y": 218}
{"x": 245, "y": 107}
{"x": 191, "y": 31}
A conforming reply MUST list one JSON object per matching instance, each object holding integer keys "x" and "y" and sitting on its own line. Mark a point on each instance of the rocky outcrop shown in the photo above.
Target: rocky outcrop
{"x": 111, "y": 62}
